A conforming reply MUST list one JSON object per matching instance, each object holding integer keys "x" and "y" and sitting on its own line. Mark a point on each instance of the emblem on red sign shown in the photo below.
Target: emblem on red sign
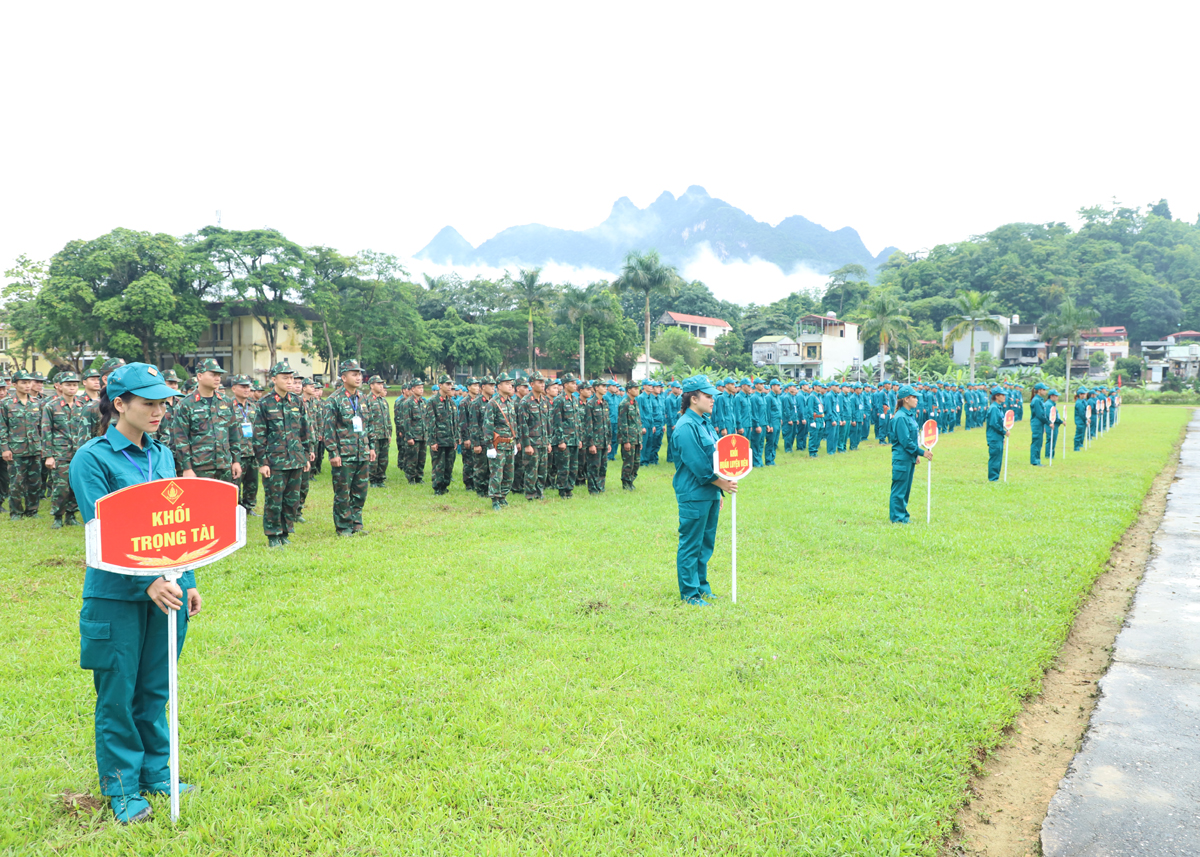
{"x": 929, "y": 434}
{"x": 165, "y": 525}
{"x": 732, "y": 458}
{"x": 1010, "y": 419}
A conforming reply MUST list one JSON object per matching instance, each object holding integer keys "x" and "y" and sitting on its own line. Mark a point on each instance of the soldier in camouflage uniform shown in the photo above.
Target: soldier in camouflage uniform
{"x": 348, "y": 439}
{"x": 464, "y": 433}
{"x": 243, "y": 414}
{"x": 499, "y": 437}
{"x": 629, "y": 436}
{"x": 60, "y": 439}
{"x": 281, "y": 439}
{"x": 91, "y": 412}
{"x": 441, "y": 427}
{"x": 21, "y": 447}
{"x": 565, "y": 436}
{"x": 415, "y": 438}
{"x": 314, "y": 407}
{"x": 533, "y": 426}
{"x": 378, "y": 408}
{"x": 163, "y": 435}
{"x": 596, "y": 437}
{"x": 482, "y": 470}
{"x": 204, "y": 432}
{"x": 521, "y": 386}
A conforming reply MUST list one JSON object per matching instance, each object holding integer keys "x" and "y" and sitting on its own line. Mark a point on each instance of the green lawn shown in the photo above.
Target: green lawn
{"x": 470, "y": 682}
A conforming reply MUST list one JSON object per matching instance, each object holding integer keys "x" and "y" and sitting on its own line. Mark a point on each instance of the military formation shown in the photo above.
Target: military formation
{"x": 515, "y": 436}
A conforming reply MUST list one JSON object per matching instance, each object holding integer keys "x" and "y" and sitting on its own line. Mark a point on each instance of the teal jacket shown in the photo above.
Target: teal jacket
{"x": 101, "y": 467}
{"x": 906, "y": 445}
{"x": 695, "y": 442}
{"x": 995, "y": 426}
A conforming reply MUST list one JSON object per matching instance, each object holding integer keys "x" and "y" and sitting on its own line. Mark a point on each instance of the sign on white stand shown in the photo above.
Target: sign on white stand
{"x": 929, "y": 439}
{"x": 732, "y": 461}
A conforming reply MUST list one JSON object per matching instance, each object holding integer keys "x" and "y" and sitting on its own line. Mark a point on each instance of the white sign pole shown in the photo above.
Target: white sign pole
{"x": 928, "y": 491}
{"x": 1006, "y": 456}
{"x": 734, "y": 588}
{"x": 173, "y": 693}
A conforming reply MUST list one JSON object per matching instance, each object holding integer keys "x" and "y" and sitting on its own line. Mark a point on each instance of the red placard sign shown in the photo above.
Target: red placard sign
{"x": 168, "y": 525}
{"x": 732, "y": 458}
{"x": 1089, "y": 412}
{"x": 1053, "y": 415}
{"x": 929, "y": 434}
{"x": 1010, "y": 419}
{"x": 1100, "y": 405}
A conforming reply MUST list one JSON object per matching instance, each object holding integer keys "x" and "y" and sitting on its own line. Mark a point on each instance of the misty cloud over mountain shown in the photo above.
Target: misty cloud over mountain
{"x": 682, "y": 230}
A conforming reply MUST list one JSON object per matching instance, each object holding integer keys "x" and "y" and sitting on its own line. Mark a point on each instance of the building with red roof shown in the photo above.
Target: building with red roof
{"x": 702, "y": 327}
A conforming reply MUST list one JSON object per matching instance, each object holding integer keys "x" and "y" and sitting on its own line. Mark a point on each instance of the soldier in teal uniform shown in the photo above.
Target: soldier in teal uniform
{"x": 1037, "y": 423}
{"x": 1080, "y": 416}
{"x": 698, "y": 490}
{"x": 996, "y": 433}
{"x": 906, "y": 449}
{"x": 774, "y": 427}
{"x": 671, "y": 412}
{"x": 123, "y": 623}
{"x": 1052, "y": 426}
{"x": 787, "y": 406}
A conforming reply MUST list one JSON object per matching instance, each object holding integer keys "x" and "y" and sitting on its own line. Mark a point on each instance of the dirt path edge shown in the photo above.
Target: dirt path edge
{"x": 1007, "y": 802}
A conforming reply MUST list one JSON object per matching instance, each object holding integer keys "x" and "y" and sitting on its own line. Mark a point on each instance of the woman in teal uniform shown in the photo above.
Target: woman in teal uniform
{"x": 698, "y": 489}
{"x": 906, "y": 449}
{"x": 123, "y": 623}
{"x": 996, "y": 433}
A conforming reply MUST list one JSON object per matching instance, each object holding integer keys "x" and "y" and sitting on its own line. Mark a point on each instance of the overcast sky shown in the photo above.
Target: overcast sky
{"x": 374, "y": 125}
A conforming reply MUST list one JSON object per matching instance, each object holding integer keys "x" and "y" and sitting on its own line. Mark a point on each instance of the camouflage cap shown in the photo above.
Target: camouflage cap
{"x": 22, "y": 375}
{"x": 66, "y": 378}
{"x": 537, "y": 376}
{"x": 522, "y": 382}
{"x": 504, "y": 376}
{"x": 445, "y": 379}
{"x": 169, "y": 375}
{"x": 282, "y": 368}
{"x": 256, "y": 385}
{"x": 472, "y": 381}
{"x": 417, "y": 382}
{"x": 375, "y": 379}
{"x": 209, "y": 365}
{"x": 239, "y": 381}
{"x": 487, "y": 379}
{"x": 110, "y": 364}
{"x": 567, "y": 378}
{"x": 349, "y": 366}
{"x": 91, "y": 373}
{"x": 37, "y": 376}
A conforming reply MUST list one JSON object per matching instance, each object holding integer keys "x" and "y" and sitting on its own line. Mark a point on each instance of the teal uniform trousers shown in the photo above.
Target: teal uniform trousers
{"x": 699, "y": 503}
{"x": 905, "y": 451}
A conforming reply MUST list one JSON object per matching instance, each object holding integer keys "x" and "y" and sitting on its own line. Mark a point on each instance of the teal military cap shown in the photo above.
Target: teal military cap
{"x": 66, "y": 378}
{"x": 775, "y": 382}
{"x": 675, "y": 385}
{"x": 111, "y": 364}
{"x": 905, "y": 391}
{"x": 207, "y": 365}
{"x": 997, "y": 391}
{"x": 1039, "y": 386}
{"x": 349, "y": 366}
{"x": 699, "y": 384}
{"x": 141, "y": 379}
{"x": 745, "y": 382}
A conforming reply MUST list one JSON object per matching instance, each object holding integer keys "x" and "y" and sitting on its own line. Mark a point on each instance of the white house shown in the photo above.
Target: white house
{"x": 824, "y": 346}
{"x": 985, "y": 343}
{"x": 702, "y": 327}
{"x": 638, "y": 372}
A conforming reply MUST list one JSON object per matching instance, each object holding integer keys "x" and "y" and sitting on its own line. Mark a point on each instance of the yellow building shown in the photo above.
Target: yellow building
{"x": 239, "y": 343}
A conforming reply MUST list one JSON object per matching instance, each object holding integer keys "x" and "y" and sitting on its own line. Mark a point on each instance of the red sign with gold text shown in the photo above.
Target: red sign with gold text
{"x": 732, "y": 458}
{"x": 1010, "y": 419}
{"x": 166, "y": 525}
{"x": 929, "y": 434}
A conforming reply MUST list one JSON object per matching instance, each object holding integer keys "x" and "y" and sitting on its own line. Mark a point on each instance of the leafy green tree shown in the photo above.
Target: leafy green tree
{"x": 322, "y": 294}
{"x": 1068, "y": 322}
{"x": 578, "y": 306}
{"x": 461, "y": 343}
{"x": 974, "y": 311}
{"x": 1131, "y": 366}
{"x": 18, "y": 306}
{"x": 730, "y": 354}
{"x": 532, "y": 293}
{"x": 645, "y": 274}
{"x": 674, "y": 344}
{"x": 884, "y": 319}
{"x": 265, "y": 274}
{"x": 1055, "y": 366}
{"x": 847, "y": 288}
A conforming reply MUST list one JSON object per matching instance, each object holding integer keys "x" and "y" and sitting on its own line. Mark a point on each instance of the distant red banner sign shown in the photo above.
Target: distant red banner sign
{"x": 732, "y": 458}
{"x": 165, "y": 525}
{"x": 929, "y": 434}
{"x": 1010, "y": 419}
{"x": 1053, "y": 415}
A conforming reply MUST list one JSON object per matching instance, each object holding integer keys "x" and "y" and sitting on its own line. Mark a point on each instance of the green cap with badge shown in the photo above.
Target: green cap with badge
{"x": 282, "y": 368}
{"x": 111, "y": 365}
{"x": 66, "y": 378}
{"x": 209, "y": 365}
{"x": 375, "y": 379}
{"x": 140, "y": 379}
{"x": 169, "y": 375}
{"x": 502, "y": 377}
{"x": 349, "y": 366}
{"x": 445, "y": 379}
{"x": 487, "y": 380}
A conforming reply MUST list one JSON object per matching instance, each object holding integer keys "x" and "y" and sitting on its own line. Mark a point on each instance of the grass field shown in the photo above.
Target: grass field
{"x": 477, "y": 683}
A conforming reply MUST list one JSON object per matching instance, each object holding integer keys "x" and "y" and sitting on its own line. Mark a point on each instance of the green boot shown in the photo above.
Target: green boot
{"x": 274, "y": 542}
{"x": 70, "y": 521}
{"x": 57, "y": 525}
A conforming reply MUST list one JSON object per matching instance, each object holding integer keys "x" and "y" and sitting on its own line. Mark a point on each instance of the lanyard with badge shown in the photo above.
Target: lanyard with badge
{"x": 356, "y": 422}
{"x": 247, "y": 426}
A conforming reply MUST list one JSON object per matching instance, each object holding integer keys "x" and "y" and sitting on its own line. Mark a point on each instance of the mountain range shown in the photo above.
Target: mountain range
{"x": 676, "y": 227}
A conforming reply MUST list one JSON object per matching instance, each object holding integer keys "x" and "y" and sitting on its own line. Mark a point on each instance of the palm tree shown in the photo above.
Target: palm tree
{"x": 973, "y": 311}
{"x": 1070, "y": 322}
{"x": 884, "y": 318}
{"x": 532, "y": 293}
{"x": 646, "y": 273}
{"x": 579, "y": 305}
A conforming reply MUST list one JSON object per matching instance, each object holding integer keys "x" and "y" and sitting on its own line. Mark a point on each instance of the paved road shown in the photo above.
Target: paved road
{"x": 1134, "y": 787}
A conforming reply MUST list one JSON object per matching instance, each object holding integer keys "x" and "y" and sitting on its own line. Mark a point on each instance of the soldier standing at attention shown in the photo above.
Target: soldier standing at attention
{"x": 817, "y": 428}
{"x": 91, "y": 413}
{"x": 464, "y": 433}
{"x": 533, "y": 425}
{"x": 906, "y": 449}
{"x": 60, "y": 440}
{"x": 499, "y": 437}
{"x": 443, "y": 433}
{"x": 630, "y": 433}
{"x": 486, "y": 390}
{"x": 1037, "y": 423}
{"x": 204, "y": 431}
{"x": 314, "y": 408}
{"x": 3, "y": 463}
{"x": 596, "y": 439}
{"x": 774, "y": 423}
{"x": 670, "y": 407}
{"x": 21, "y": 447}
{"x": 565, "y": 436}
{"x": 243, "y": 415}
{"x": 280, "y": 438}
{"x": 996, "y": 433}
{"x": 351, "y": 450}
{"x": 414, "y": 433}
{"x": 613, "y": 397}
{"x": 378, "y": 408}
